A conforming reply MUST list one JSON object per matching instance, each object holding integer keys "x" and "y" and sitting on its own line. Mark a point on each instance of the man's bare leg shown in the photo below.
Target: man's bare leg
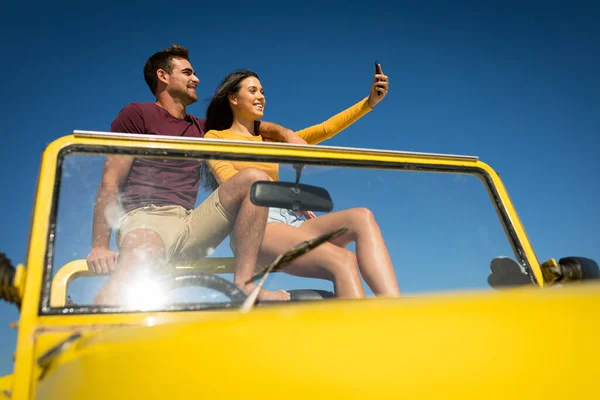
{"x": 140, "y": 250}
{"x": 248, "y": 228}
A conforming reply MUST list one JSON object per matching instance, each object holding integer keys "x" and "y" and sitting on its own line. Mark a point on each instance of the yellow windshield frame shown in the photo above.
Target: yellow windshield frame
{"x": 36, "y": 302}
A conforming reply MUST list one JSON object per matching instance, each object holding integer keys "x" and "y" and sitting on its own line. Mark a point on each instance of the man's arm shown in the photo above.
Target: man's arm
{"x": 277, "y": 133}
{"x": 116, "y": 168}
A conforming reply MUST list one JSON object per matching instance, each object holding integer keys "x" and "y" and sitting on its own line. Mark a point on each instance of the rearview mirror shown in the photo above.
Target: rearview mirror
{"x": 294, "y": 196}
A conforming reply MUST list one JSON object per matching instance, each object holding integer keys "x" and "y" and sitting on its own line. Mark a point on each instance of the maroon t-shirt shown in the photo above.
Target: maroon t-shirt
{"x": 159, "y": 181}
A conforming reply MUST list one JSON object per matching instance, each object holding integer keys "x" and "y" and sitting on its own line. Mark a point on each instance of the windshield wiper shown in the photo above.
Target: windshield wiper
{"x": 282, "y": 260}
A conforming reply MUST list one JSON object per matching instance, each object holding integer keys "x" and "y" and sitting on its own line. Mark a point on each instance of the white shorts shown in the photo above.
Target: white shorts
{"x": 284, "y": 216}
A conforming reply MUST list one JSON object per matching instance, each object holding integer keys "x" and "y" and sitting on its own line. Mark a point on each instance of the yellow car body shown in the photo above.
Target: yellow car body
{"x": 535, "y": 342}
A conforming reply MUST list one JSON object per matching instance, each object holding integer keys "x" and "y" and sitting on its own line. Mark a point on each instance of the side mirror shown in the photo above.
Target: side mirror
{"x": 506, "y": 272}
{"x": 294, "y": 196}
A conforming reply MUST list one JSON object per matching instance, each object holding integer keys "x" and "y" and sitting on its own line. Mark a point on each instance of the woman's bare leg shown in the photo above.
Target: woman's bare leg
{"x": 327, "y": 261}
{"x": 373, "y": 258}
{"x": 242, "y": 275}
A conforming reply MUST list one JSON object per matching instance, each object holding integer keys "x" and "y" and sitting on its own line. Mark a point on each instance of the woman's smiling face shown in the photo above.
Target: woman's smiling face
{"x": 250, "y": 100}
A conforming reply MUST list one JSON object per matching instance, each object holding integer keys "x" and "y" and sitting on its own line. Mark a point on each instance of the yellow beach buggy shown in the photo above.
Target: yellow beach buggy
{"x": 480, "y": 317}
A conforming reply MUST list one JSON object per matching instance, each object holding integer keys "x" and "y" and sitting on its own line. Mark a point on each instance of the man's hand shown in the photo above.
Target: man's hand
{"x": 308, "y": 214}
{"x": 271, "y": 132}
{"x": 380, "y": 85}
{"x": 291, "y": 137}
{"x": 287, "y": 136}
{"x": 102, "y": 260}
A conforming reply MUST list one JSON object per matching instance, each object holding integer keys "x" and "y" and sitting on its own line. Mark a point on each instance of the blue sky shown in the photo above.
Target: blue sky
{"x": 515, "y": 84}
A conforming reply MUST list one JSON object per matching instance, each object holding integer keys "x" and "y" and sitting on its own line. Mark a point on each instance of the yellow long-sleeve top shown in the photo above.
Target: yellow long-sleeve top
{"x": 224, "y": 170}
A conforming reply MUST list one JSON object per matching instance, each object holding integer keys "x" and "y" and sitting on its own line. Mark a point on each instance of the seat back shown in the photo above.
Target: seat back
{"x": 78, "y": 269}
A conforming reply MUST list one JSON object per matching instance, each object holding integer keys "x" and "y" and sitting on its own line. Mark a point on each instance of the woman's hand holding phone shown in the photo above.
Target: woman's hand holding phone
{"x": 379, "y": 87}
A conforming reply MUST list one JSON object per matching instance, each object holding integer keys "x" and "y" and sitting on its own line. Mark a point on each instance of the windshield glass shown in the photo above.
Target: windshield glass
{"x": 439, "y": 231}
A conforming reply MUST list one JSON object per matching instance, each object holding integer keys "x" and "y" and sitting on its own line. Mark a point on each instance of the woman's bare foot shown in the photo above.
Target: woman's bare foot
{"x": 266, "y": 295}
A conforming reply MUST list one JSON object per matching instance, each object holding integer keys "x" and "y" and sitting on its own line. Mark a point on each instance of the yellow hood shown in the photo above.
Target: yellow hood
{"x": 519, "y": 344}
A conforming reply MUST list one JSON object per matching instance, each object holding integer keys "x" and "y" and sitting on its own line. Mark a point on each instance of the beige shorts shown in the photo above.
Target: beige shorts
{"x": 186, "y": 234}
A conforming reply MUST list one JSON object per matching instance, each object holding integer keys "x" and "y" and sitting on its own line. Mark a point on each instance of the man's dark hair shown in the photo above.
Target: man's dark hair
{"x": 162, "y": 60}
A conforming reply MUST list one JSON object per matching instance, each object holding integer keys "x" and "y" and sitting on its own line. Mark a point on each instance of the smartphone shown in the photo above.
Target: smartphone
{"x": 378, "y": 71}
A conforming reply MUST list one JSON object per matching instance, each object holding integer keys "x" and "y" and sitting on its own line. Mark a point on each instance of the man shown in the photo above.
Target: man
{"x": 158, "y": 196}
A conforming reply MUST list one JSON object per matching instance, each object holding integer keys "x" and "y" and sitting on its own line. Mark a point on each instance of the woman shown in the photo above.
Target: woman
{"x": 237, "y": 103}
